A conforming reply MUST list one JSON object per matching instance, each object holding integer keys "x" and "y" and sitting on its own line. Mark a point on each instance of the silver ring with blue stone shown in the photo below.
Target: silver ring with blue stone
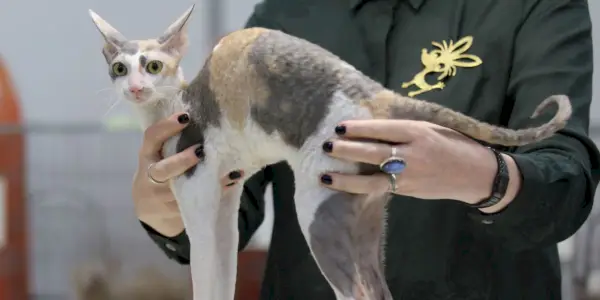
{"x": 393, "y": 164}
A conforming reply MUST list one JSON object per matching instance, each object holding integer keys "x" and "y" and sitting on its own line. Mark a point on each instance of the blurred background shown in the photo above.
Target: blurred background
{"x": 65, "y": 181}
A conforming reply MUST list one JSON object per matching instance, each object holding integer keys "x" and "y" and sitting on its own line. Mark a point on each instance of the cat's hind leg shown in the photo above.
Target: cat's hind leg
{"x": 345, "y": 234}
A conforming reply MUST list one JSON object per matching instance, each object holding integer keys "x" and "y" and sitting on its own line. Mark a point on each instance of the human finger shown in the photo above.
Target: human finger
{"x": 232, "y": 178}
{"x": 359, "y": 151}
{"x": 394, "y": 131}
{"x": 356, "y": 184}
{"x": 165, "y": 169}
{"x": 159, "y": 132}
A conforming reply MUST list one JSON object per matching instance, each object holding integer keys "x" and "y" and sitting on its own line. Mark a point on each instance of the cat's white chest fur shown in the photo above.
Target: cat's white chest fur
{"x": 158, "y": 110}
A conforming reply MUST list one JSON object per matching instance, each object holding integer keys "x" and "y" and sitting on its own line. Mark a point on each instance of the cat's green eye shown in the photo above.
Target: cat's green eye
{"x": 154, "y": 67}
{"x": 119, "y": 69}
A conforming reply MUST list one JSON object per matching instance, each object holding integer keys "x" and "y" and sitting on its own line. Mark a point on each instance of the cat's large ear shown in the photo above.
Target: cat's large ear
{"x": 175, "y": 38}
{"x": 114, "y": 40}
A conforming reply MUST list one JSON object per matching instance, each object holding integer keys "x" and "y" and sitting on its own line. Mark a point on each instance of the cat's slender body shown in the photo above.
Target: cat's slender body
{"x": 262, "y": 97}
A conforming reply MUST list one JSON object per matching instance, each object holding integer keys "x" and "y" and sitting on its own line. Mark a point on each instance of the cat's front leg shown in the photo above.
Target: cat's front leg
{"x": 199, "y": 209}
{"x": 211, "y": 225}
{"x": 228, "y": 240}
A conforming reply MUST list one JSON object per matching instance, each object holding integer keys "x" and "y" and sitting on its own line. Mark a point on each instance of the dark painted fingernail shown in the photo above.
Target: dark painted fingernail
{"x": 327, "y": 147}
{"x": 235, "y": 175}
{"x": 231, "y": 183}
{"x": 326, "y": 179}
{"x": 341, "y": 129}
{"x": 199, "y": 151}
{"x": 183, "y": 119}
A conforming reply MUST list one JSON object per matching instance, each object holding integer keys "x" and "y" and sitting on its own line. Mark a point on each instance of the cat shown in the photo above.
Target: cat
{"x": 264, "y": 96}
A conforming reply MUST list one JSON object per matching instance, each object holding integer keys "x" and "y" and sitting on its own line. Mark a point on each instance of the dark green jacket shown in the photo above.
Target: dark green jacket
{"x": 529, "y": 50}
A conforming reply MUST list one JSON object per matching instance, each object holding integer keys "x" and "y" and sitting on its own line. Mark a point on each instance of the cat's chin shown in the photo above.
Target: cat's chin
{"x": 136, "y": 101}
{"x": 143, "y": 102}
{"x": 150, "y": 99}
{"x": 139, "y": 101}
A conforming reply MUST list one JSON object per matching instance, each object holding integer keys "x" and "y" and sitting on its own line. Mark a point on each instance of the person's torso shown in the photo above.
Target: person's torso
{"x": 433, "y": 250}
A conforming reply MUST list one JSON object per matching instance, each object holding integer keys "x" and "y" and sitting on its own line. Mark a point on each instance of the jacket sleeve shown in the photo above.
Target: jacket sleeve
{"x": 552, "y": 55}
{"x": 251, "y": 215}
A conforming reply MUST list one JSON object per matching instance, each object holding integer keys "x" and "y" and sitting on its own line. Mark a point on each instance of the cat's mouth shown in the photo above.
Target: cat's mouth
{"x": 138, "y": 96}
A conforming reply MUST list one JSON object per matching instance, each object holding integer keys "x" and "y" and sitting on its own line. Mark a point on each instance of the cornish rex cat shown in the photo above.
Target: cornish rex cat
{"x": 262, "y": 97}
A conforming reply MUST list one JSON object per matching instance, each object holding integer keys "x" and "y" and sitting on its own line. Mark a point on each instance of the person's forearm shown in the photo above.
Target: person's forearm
{"x": 548, "y": 196}
{"x": 176, "y": 247}
{"x": 251, "y": 212}
{"x": 169, "y": 233}
{"x": 168, "y": 227}
{"x": 552, "y": 55}
{"x": 513, "y": 188}
{"x": 483, "y": 179}
{"x": 554, "y": 200}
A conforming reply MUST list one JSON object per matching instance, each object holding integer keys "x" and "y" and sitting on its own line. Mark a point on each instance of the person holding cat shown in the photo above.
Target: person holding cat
{"x": 466, "y": 222}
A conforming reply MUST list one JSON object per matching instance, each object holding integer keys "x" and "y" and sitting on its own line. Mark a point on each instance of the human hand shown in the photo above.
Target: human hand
{"x": 154, "y": 202}
{"x": 440, "y": 163}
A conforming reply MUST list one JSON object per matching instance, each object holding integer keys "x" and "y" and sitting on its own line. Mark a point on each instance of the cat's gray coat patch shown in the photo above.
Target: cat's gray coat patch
{"x": 203, "y": 109}
{"x": 346, "y": 236}
{"x": 299, "y": 97}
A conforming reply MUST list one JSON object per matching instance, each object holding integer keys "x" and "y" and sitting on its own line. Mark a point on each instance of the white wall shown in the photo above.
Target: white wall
{"x": 79, "y": 176}
{"x": 53, "y": 50}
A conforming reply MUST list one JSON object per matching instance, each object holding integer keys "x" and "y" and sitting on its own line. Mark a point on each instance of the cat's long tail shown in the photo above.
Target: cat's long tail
{"x": 389, "y": 105}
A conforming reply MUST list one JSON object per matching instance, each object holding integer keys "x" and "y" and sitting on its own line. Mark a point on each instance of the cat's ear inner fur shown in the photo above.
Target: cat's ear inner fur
{"x": 114, "y": 40}
{"x": 175, "y": 38}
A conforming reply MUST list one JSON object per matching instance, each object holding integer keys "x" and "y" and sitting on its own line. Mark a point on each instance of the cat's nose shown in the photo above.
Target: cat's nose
{"x": 135, "y": 89}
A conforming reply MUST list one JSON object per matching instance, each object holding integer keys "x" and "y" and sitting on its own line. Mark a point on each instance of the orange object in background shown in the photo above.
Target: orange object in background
{"x": 13, "y": 212}
{"x": 251, "y": 266}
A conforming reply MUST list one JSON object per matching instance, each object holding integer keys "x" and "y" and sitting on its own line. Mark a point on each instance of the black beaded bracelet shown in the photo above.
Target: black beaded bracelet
{"x": 500, "y": 183}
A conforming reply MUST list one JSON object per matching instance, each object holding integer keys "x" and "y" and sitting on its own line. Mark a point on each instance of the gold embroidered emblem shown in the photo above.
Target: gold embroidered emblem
{"x": 445, "y": 59}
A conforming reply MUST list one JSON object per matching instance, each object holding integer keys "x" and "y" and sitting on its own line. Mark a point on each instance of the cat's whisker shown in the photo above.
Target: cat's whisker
{"x": 111, "y": 107}
{"x": 109, "y": 89}
{"x": 171, "y": 88}
{"x": 111, "y": 98}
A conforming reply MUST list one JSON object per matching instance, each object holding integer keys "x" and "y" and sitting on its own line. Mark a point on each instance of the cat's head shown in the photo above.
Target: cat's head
{"x": 144, "y": 71}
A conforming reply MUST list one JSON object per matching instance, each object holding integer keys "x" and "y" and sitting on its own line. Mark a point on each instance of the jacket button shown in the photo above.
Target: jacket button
{"x": 170, "y": 247}
{"x": 487, "y": 222}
